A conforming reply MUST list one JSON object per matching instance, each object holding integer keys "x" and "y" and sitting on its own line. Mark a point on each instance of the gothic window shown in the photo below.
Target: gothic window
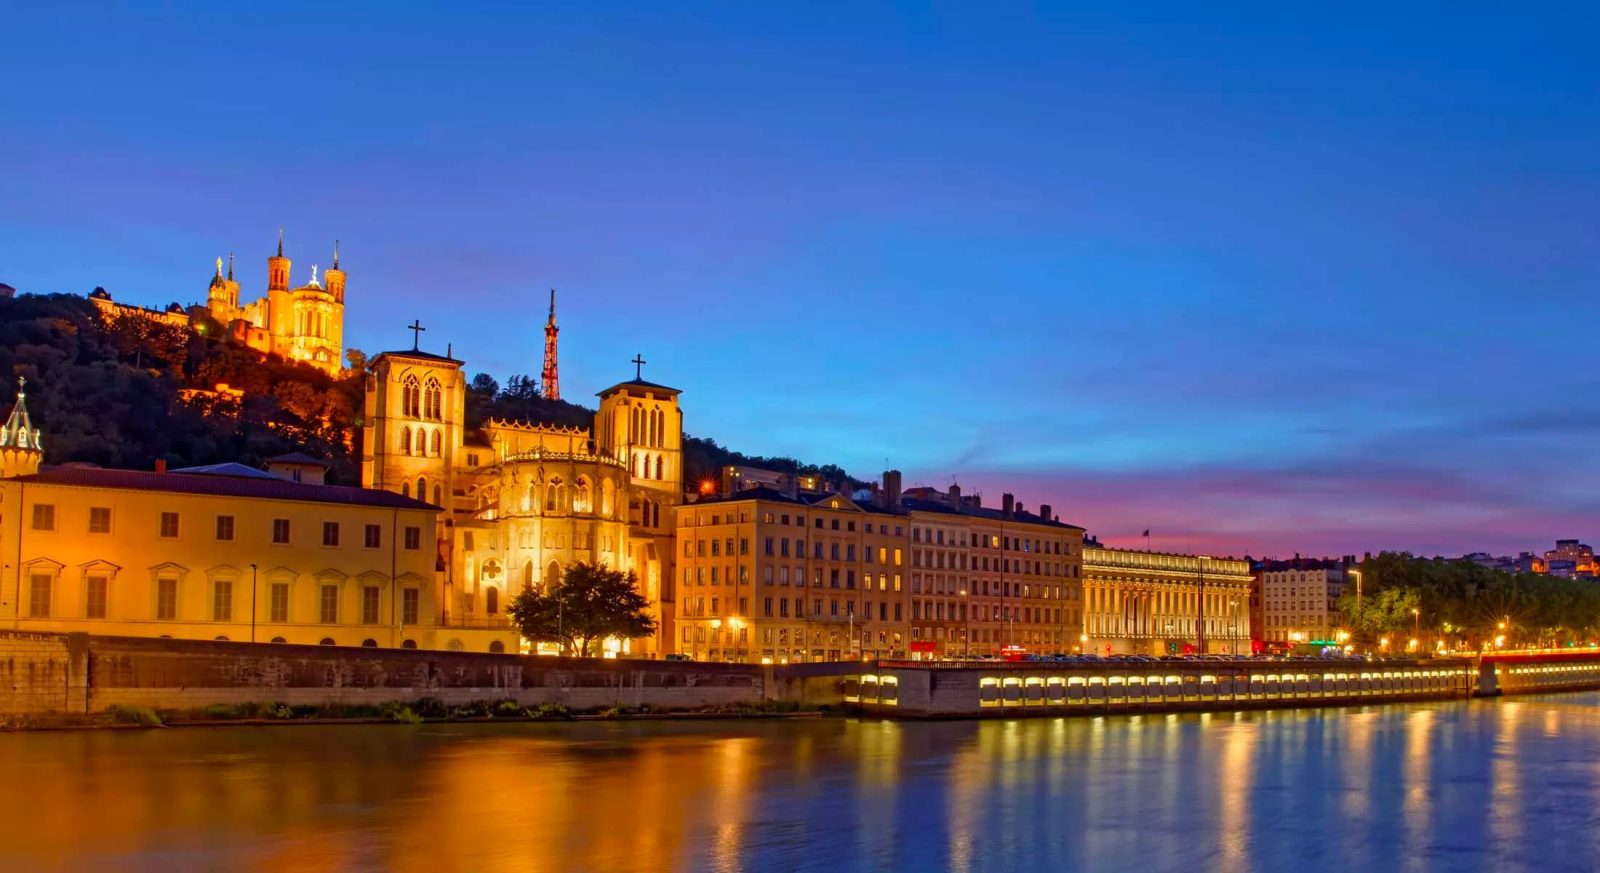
{"x": 633, "y": 427}
{"x": 405, "y": 440}
{"x": 422, "y": 487}
{"x": 527, "y": 575}
{"x": 491, "y": 600}
{"x": 438, "y": 496}
{"x": 658, "y": 466}
{"x": 580, "y": 496}
{"x": 411, "y": 397}
{"x": 435, "y": 400}
{"x": 608, "y": 497}
{"x": 655, "y": 515}
{"x": 435, "y": 445}
{"x": 555, "y": 495}
{"x": 552, "y": 576}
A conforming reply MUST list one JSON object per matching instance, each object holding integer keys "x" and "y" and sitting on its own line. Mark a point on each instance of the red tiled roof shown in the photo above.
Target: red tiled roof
{"x": 223, "y": 486}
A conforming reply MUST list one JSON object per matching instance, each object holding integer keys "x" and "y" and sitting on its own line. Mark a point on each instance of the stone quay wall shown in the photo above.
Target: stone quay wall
{"x": 83, "y": 673}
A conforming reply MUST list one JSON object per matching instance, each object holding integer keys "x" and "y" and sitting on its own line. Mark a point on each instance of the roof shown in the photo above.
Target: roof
{"x": 229, "y": 468}
{"x": 639, "y": 383}
{"x": 223, "y": 485}
{"x": 420, "y": 355}
{"x": 918, "y": 504}
{"x": 300, "y": 458}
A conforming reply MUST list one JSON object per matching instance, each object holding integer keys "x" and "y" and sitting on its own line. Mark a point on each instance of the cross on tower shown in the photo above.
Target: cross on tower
{"x": 416, "y": 329}
{"x": 638, "y": 367}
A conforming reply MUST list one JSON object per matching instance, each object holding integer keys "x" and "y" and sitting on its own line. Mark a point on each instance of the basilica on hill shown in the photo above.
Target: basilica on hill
{"x": 524, "y": 500}
{"x": 304, "y": 324}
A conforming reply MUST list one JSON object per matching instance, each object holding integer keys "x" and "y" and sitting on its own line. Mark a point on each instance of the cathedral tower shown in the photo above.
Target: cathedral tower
{"x": 278, "y": 268}
{"x": 334, "y": 277}
{"x": 20, "y": 450}
{"x": 550, "y": 379}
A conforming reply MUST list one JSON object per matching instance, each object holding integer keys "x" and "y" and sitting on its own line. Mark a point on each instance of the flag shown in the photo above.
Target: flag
{"x": 1146, "y": 532}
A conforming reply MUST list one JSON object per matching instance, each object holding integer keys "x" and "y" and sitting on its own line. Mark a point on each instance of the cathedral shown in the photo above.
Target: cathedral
{"x": 304, "y": 324}
{"x": 524, "y": 500}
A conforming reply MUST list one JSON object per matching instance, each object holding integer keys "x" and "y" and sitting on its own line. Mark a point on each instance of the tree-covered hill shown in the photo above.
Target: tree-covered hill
{"x": 128, "y": 391}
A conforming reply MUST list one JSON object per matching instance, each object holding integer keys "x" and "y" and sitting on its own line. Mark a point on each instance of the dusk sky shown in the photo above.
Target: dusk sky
{"x": 1261, "y": 280}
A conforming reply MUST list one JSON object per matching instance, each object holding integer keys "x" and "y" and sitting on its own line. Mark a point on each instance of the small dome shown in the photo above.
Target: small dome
{"x": 100, "y": 294}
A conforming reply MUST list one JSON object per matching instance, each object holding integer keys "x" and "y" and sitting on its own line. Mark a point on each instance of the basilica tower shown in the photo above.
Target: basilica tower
{"x": 334, "y": 277}
{"x": 278, "y": 268}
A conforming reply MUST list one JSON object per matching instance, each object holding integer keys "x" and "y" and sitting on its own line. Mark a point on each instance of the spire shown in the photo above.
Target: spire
{"x": 550, "y": 379}
{"x": 19, "y": 432}
{"x": 336, "y": 254}
{"x": 230, "y": 266}
{"x": 280, "y": 240}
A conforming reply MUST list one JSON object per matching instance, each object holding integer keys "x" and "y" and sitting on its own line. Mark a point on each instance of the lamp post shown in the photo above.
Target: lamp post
{"x": 966, "y": 627}
{"x": 735, "y": 626}
{"x": 716, "y": 625}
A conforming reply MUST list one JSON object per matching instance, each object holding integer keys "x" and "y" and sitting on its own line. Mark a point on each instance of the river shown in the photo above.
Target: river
{"x": 1483, "y": 785}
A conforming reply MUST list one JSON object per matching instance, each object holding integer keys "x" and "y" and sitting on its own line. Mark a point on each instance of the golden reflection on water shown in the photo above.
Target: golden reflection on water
{"x": 1382, "y": 785}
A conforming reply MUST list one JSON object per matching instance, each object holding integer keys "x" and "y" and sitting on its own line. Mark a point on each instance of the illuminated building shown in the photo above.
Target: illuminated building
{"x": 1570, "y": 559}
{"x": 1299, "y": 599}
{"x": 522, "y": 500}
{"x": 1150, "y": 602}
{"x": 989, "y": 580}
{"x": 304, "y": 324}
{"x": 768, "y": 575}
{"x": 218, "y": 552}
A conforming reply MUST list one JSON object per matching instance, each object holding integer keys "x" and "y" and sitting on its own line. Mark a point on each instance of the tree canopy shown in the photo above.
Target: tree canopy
{"x": 591, "y": 603}
{"x": 1472, "y": 600}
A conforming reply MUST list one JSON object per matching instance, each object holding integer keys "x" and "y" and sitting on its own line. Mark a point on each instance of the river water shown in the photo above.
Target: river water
{"x": 1484, "y": 785}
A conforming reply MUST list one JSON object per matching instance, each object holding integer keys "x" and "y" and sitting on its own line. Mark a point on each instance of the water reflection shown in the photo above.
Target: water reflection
{"x": 1449, "y": 786}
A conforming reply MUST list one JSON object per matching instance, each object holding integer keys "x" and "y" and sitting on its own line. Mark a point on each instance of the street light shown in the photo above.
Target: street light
{"x": 716, "y": 625}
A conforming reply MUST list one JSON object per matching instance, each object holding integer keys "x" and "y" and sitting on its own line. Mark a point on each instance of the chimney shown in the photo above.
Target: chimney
{"x": 1007, "y": 503}
{"x": 891, "y": 489}
{"x": 1044, "y": 511}
{"x": 161, "y": 465}
{"x": 955, "y": 496}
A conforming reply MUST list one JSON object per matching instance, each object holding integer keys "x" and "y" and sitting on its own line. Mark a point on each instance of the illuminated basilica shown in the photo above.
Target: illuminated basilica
{"x": 304, "y": 323}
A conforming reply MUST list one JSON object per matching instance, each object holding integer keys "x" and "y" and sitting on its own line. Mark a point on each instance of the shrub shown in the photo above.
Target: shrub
{"x": 134, "y": 715}
{"x": 406, "y": 716}
{"x": 430, "y": 707}
{"x": 550, "y": 712}
{"x": 223, "y": 711}
{"x": 508, "y": 709}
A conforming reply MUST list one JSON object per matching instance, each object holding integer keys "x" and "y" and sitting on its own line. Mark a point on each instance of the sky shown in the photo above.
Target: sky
{"x": 1261, "y": 279}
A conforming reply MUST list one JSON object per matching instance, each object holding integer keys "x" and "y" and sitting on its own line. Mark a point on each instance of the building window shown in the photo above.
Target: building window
{"x": 99, "y": 519}
{"x": 94, "y": 597}
{"x": 225, "y": 528}
{"x": 330, "y": 533}
{"x": 491, "y": 601}
{"x": 278, "y": 610}
{"x": 44, "y": 516}
{"x": 374, "y": 536}
{"x": 39, "y": 591}
{"x": 280, "y": 531}
{"x": 167, "y": 598}
{"x": 369, "y": 604}
{"x": 413, "y": 538}
{"x": 169, "y": 525}
{"x": 329, "y": 611}
{"x": 410, "y": 602}
{"x": 222, "y": 601}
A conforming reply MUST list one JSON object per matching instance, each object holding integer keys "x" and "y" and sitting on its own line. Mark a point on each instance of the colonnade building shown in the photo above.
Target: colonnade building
{"x": 1156, "y": 603}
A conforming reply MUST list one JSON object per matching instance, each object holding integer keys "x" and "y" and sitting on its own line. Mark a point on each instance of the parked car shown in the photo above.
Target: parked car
{"x": 676, "y": 657}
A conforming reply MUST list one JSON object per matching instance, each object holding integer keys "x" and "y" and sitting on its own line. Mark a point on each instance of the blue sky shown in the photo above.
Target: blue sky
{"x": 1262, "y": 279}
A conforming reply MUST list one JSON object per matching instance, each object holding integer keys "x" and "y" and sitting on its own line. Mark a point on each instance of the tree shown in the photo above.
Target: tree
{"x": 591, "y": 603}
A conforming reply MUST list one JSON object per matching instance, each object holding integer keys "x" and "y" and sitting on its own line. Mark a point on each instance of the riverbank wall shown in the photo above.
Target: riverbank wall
{"x": 83, "y": 674}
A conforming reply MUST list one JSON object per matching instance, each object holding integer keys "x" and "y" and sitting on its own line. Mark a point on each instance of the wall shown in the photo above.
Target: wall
{"x": 80, "y": 673}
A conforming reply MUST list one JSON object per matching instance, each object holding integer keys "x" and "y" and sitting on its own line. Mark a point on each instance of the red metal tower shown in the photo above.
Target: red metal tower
{"x": 551, "y": 378}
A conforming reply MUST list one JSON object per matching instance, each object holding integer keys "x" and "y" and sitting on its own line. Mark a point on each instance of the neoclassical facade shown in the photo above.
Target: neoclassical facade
{"x": 525, "y": 500}
{"x": 1157, "y": 603}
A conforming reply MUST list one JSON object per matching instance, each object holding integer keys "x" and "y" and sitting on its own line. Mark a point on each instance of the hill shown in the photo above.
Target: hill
{"x": 126, "y": 392}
